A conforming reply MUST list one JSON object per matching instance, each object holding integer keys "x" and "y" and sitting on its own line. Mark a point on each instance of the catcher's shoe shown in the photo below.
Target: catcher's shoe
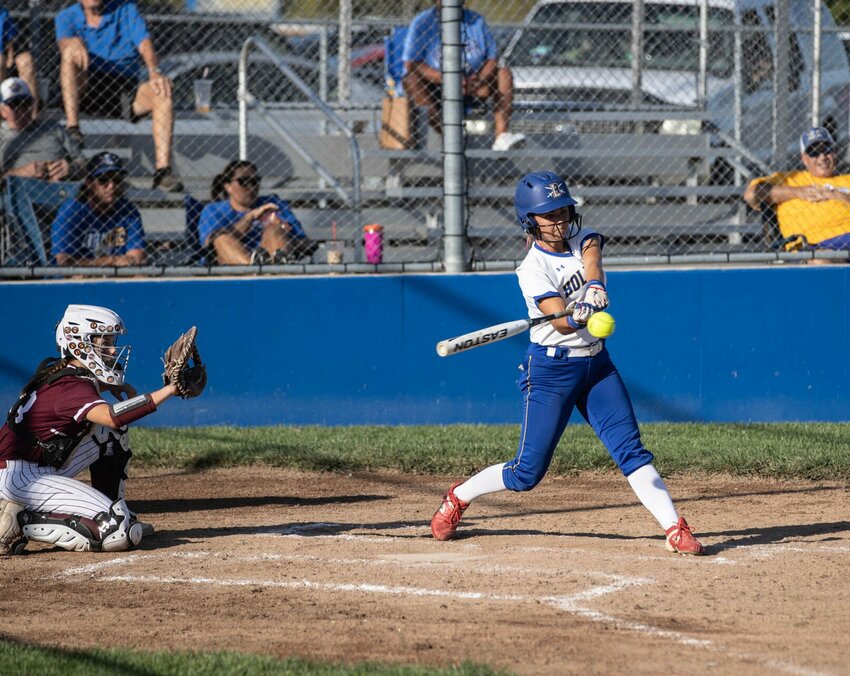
{"x": 445, "y": 520}
{"x": 681, "y": 540}
{"x": 10, "y": 527}
{"x": 148, "y": 529}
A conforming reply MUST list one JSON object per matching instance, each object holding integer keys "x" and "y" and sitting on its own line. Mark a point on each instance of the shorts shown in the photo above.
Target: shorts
{"x": 839, "y": 243}
{"x": 109, "y": 95}
{"x": 471, "y": 104}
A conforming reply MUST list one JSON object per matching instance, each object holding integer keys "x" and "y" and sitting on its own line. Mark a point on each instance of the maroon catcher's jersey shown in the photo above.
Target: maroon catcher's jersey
{"x": 57, "y": 409}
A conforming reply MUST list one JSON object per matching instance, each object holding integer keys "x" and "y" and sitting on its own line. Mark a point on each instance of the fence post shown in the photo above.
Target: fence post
{"x": 637, "y": 52}
{"x": 702, "y": 94}
{"x": 817, "y": 25}
{"x": 454, "y": 170}
{"x": 344, "y": 51}
{"x": 781, "y": 73}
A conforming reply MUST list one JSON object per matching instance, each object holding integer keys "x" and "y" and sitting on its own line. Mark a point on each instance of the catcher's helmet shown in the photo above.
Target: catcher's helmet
{"x": 540, "y": 193}
{"x": 75, "y": 334}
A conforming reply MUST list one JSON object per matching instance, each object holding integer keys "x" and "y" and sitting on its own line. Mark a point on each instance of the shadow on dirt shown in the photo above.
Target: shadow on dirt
{"x": 751, "y": 537}
{"x": 206, "y": 504}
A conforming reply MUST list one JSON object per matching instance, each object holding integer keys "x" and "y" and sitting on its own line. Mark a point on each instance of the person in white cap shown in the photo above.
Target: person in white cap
{"x": 812, "y": 204}
{"x": 31, "y": 147}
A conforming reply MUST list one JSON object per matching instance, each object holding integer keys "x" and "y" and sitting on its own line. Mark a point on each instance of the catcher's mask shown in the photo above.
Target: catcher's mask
{"x": 89, "y": 334}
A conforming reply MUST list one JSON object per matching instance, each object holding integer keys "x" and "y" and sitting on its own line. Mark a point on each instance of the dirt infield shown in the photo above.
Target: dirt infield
{"x": 570, "y": 578}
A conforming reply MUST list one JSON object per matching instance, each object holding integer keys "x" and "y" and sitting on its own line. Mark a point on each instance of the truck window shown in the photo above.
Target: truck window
{"x": 598, "y": 35}
{"x": 795, "y": 54}
{"x": 756, "y": 53}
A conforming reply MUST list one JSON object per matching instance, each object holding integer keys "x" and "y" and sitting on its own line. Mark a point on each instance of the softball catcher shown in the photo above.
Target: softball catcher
{"x": 565, "y": 367}
{"x": 61, "y": 425}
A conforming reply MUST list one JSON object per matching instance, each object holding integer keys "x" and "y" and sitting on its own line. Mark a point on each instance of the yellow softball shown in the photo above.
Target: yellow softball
{"x": 601, "y": 325}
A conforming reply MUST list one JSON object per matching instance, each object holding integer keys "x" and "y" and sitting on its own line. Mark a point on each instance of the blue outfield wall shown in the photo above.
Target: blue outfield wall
{"x": 762, "y": 344}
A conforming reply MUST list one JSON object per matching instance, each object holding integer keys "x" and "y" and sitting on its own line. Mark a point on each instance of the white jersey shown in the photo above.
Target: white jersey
{"x": 546, "y": 274}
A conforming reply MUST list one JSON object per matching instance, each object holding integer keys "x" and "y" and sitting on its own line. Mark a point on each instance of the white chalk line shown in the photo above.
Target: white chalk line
{"x": 571, "y": 604}
{"x": 568, "y": 604}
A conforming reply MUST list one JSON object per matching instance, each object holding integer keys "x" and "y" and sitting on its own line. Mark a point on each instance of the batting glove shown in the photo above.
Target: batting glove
{"x": 581, "y": 313}
{"x": 595, "y": 294}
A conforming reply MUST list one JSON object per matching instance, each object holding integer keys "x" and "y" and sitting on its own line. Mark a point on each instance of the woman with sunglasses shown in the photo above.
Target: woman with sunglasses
{"x": 242, "y": 227}
{"x": 99, "y": 227}
{"x": 565, "y": 367}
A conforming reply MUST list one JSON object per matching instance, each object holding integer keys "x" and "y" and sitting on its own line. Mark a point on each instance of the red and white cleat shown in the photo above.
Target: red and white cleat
{"x": 445, "y": 520}
{"x": 681, "y": 540}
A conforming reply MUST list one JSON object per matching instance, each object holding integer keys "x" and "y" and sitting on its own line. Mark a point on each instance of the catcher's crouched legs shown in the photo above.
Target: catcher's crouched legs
{"x": 112, "y": 531}
{"x": 110, "y": 471}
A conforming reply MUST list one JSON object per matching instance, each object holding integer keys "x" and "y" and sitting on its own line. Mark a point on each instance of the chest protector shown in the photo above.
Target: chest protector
{"x": 54, "y": 451}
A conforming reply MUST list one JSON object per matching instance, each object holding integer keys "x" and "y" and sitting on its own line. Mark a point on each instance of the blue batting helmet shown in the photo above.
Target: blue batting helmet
{"x": 540, "y": 193}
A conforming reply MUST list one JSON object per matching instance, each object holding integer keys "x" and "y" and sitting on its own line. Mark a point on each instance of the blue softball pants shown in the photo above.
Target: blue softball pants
{"x": 551, "y": 387}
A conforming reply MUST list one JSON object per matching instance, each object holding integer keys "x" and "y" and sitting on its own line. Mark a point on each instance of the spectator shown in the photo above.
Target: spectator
{"x": 483, "y": 77}
{"x": 100, "y": 42}
{"x": 812, "y": 204}
{"x": 99, "y": 227}
{"x": 14, "y": 59}
{"x": 241, "y": 227}
{"x": 31, "y": 147}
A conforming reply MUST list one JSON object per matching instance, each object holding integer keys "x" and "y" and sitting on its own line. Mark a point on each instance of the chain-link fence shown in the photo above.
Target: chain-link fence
{"x": 657, "y": 113}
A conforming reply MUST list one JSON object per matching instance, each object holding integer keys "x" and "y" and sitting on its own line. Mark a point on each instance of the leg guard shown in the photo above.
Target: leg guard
{"x": 73, "y": 533}
{"x": 109, "y": 471}
{"x": 118, "y": 530}
{"x": 10, "y": 529}
{"x": 112, "y": 531}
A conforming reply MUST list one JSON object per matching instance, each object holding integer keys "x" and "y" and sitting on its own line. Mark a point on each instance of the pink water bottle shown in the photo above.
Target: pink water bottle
{"x": 373, "y": 242}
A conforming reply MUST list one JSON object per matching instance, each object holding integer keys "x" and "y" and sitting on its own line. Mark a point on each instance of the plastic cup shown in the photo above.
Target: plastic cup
{"x": 203, "y": 95}
{"x": 334, "y": 252}
{"x": 373, "y": 242}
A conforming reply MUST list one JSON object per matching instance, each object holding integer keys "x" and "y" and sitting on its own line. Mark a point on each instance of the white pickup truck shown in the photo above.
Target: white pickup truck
{"x": 578, "y": 55}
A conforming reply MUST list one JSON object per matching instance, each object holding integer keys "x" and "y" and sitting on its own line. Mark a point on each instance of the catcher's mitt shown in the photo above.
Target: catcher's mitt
{"x": 189, "y": 378}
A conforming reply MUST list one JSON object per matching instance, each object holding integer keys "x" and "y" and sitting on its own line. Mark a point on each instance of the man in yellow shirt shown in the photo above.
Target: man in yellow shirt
{"x": 812, "y": 203}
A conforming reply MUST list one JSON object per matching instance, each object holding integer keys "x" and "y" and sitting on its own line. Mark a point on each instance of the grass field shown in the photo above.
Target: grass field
{"x": 787, "y": 450}
{"x": 783, "y": 451}
{"x": 50, "y": 661}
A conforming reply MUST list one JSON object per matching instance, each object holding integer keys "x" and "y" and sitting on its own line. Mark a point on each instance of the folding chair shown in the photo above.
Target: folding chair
{"x": 27, "y": 236}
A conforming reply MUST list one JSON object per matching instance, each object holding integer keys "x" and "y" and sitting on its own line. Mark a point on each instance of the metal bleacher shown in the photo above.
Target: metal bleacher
{"x": 648, "y": 192}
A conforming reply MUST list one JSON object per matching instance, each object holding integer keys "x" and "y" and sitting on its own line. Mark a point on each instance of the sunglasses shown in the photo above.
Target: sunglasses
{"x": 819, "y": 149}
{"x": 249, "y": 181}
{"x": 106, "y": 179}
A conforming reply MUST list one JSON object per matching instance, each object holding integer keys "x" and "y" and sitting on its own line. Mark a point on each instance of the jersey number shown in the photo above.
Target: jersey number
{"x": 19, "y": 416}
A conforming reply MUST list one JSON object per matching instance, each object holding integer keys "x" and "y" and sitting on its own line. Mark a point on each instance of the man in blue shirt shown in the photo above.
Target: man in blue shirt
{"x": 99, "y": 227}
{"x": 100, "y": 42}
{"x": 14, "y": 58}
{"x": 483, "y": 77}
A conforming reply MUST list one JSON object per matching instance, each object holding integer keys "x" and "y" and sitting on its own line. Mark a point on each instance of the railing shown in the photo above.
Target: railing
{"x": 354, "y": 200}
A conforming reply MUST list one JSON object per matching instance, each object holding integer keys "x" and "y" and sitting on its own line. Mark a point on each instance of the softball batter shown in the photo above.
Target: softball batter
{"x": 565, "y": 367}
{"x": 60, "y": 425}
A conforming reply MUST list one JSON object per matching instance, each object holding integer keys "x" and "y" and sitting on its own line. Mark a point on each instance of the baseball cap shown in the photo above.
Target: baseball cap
{"x": 13, "y": 90}
{"x": 815, "y": 135}
{"x": 104, "y": 163}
